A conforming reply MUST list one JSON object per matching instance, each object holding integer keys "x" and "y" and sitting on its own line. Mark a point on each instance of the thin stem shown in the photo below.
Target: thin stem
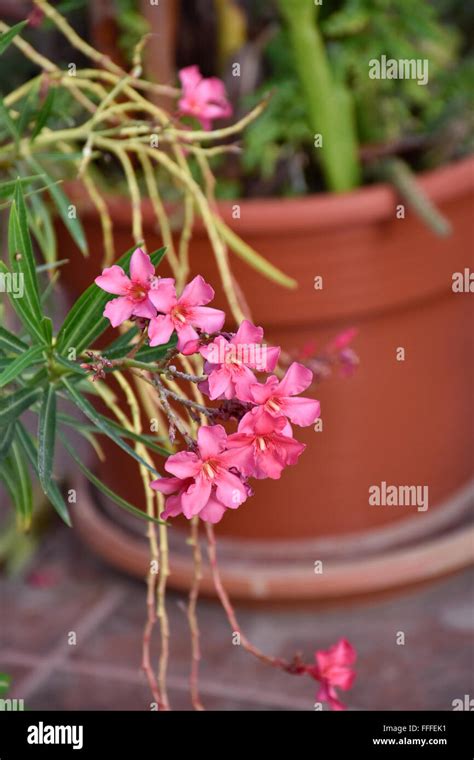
{"x": 192, "y": 617}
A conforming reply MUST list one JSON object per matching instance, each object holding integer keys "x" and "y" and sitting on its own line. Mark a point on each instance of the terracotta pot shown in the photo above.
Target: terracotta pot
{"x": 403, "y": 422}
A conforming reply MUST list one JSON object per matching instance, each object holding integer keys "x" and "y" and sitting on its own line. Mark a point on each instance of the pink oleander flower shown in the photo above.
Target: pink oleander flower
{"x": 263, "y": 445}
{"x": 276, "y": 397}
{"x": 203, "y": 484}
{"x": 205, "y": 99}
{"x": 229, "y": 363}
{"x": 333, "y": 668}
{"x": 183, "y": 314}
{"x": 133, "y": 291}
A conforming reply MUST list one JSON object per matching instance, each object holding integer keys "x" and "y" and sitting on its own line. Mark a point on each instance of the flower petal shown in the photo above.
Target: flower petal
{"x": 196, "y": 497}
{"x": 211, "y": 441}
{"x": 118, "y": 310}
{"x": 141, "y": 268}
{"x": 113, "y": 280}
{"x": 297, "y": 379}
{"x": 184, "y": 464}
{"x": 206, "y": 318}
{"x": 213, "y": 511}
{"x": 229, "y": 489}
{"x": 162, "y": 294}
{"x": 301, "y": 411}
{"x": 188, "y": 339}
{"x": 167, "y": 485}
{"x": 196, "y": 293}
{"x": 160, "y": 330}
{"x": 144, "y": 309}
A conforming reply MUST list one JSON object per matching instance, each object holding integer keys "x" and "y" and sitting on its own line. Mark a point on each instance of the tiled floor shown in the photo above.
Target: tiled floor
{"x": 106, "y": 611}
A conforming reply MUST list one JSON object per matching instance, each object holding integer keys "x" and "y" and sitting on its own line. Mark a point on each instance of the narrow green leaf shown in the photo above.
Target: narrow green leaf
{"x": 44, "y": 113}
{"x": 29, "y": 106}
{"x": 7, "y": 189}
{"x": 14, "y": 404}
{"x": 7, "y": 120}
{"x": 6, "y": 440}
{"x": 73, "y": 367}
{"x": 53, "y": 493}
{"x": 106, "y": 490}
{"x": 88, "y": 410}
{"x": 85, "y": 321}
{"x": 28, "y": 321}
{"x": 148, "y": 440}
{"x": 6, "y": 38}
{"x": 47, "y": 437}
{"x": 39, "y": 218}
{"x": 14, "y": 471}
{"x": 62, "y": 203}
{"x": 18, "y": 365}
{"x": 21, "y": 244}
{"x": 10, "y": 342}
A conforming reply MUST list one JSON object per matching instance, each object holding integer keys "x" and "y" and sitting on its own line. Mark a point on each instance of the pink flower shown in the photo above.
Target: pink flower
{"x": 133, "y": 290}
{"x": 263, "y": 445}
{"x": 342, "y": 339}
{"x": 333, "y": 668}
{"x": 228, "y": 363}
{"x": 276, "y": 397}
{"x": 203, "y": 484}
{"x": 205, "y": 99}
{"x": 183, "y": 314}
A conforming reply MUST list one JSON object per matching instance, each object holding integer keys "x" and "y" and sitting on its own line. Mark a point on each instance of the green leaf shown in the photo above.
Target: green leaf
{"x": 28, "y": 321}
{"x": 14, "y": 404}
{"x": 21, "y": 257}
{"x": 14, "y": 473}
{"x": 74, "y": 368}
{"x": 7, "y": 189}
{"x": 44, "y": 113}
{"x": 62, "y": 204}
{"x": 106, "y": 490}
{"x": 52, "y": 492}
{"x": 85, "y": 321}
{"x": 7, "y": 120}
{"x": 29, "y": 106}
{"x": 148, "y": 440}
{"x": 5, "y": 681}
{"x": 7, "y": 37}
{"x": 18, "y": 365}
{"x": 42, "y": 227}
{"x": 10, "y": 342}
{"x": 88, "y": 410}
{"x": 7, "y": 440}
{"x": 47, "y": 437}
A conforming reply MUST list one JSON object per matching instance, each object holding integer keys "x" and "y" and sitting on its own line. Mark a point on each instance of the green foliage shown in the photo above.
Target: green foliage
{"x": 37, "y": 368}
{"x": 385, "y": 110}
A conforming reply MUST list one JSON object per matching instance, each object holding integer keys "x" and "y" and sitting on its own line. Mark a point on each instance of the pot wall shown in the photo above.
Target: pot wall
{"x": 403, "y": 422}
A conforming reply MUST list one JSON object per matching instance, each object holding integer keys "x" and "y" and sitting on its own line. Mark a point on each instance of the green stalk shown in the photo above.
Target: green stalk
{"x": 328, "y": 103}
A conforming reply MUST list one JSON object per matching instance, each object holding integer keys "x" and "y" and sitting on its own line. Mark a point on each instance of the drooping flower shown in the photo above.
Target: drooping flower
{"x": 203, "y": 483}
{"x": 229, "y": 363}
{"x": 263, "y": 445}
{"x": 133, "y": 291}
{"x": 333, "y": 668}
{"x": 277, "y": 397}
{"x": 183, "y": 314}
{"x": 205, "y": 99}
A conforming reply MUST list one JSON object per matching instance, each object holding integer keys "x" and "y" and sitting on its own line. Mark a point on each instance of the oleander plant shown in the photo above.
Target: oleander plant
{"x": 227, "y": 404}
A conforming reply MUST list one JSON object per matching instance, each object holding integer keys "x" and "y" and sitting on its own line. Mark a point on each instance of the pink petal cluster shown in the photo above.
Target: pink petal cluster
{"x": 183, "y": 314}
{"x": 333, "y": 669}
{"x": 133, "y": 291}
{"x": 205, "y": 99}
{"x": 214, "y": 476}
{"x": 229, "y": 363}
{"x": 203, "y": 483}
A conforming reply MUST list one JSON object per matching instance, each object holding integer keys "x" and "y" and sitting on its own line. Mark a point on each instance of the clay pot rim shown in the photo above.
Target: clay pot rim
{"x": 322, "y": 211}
